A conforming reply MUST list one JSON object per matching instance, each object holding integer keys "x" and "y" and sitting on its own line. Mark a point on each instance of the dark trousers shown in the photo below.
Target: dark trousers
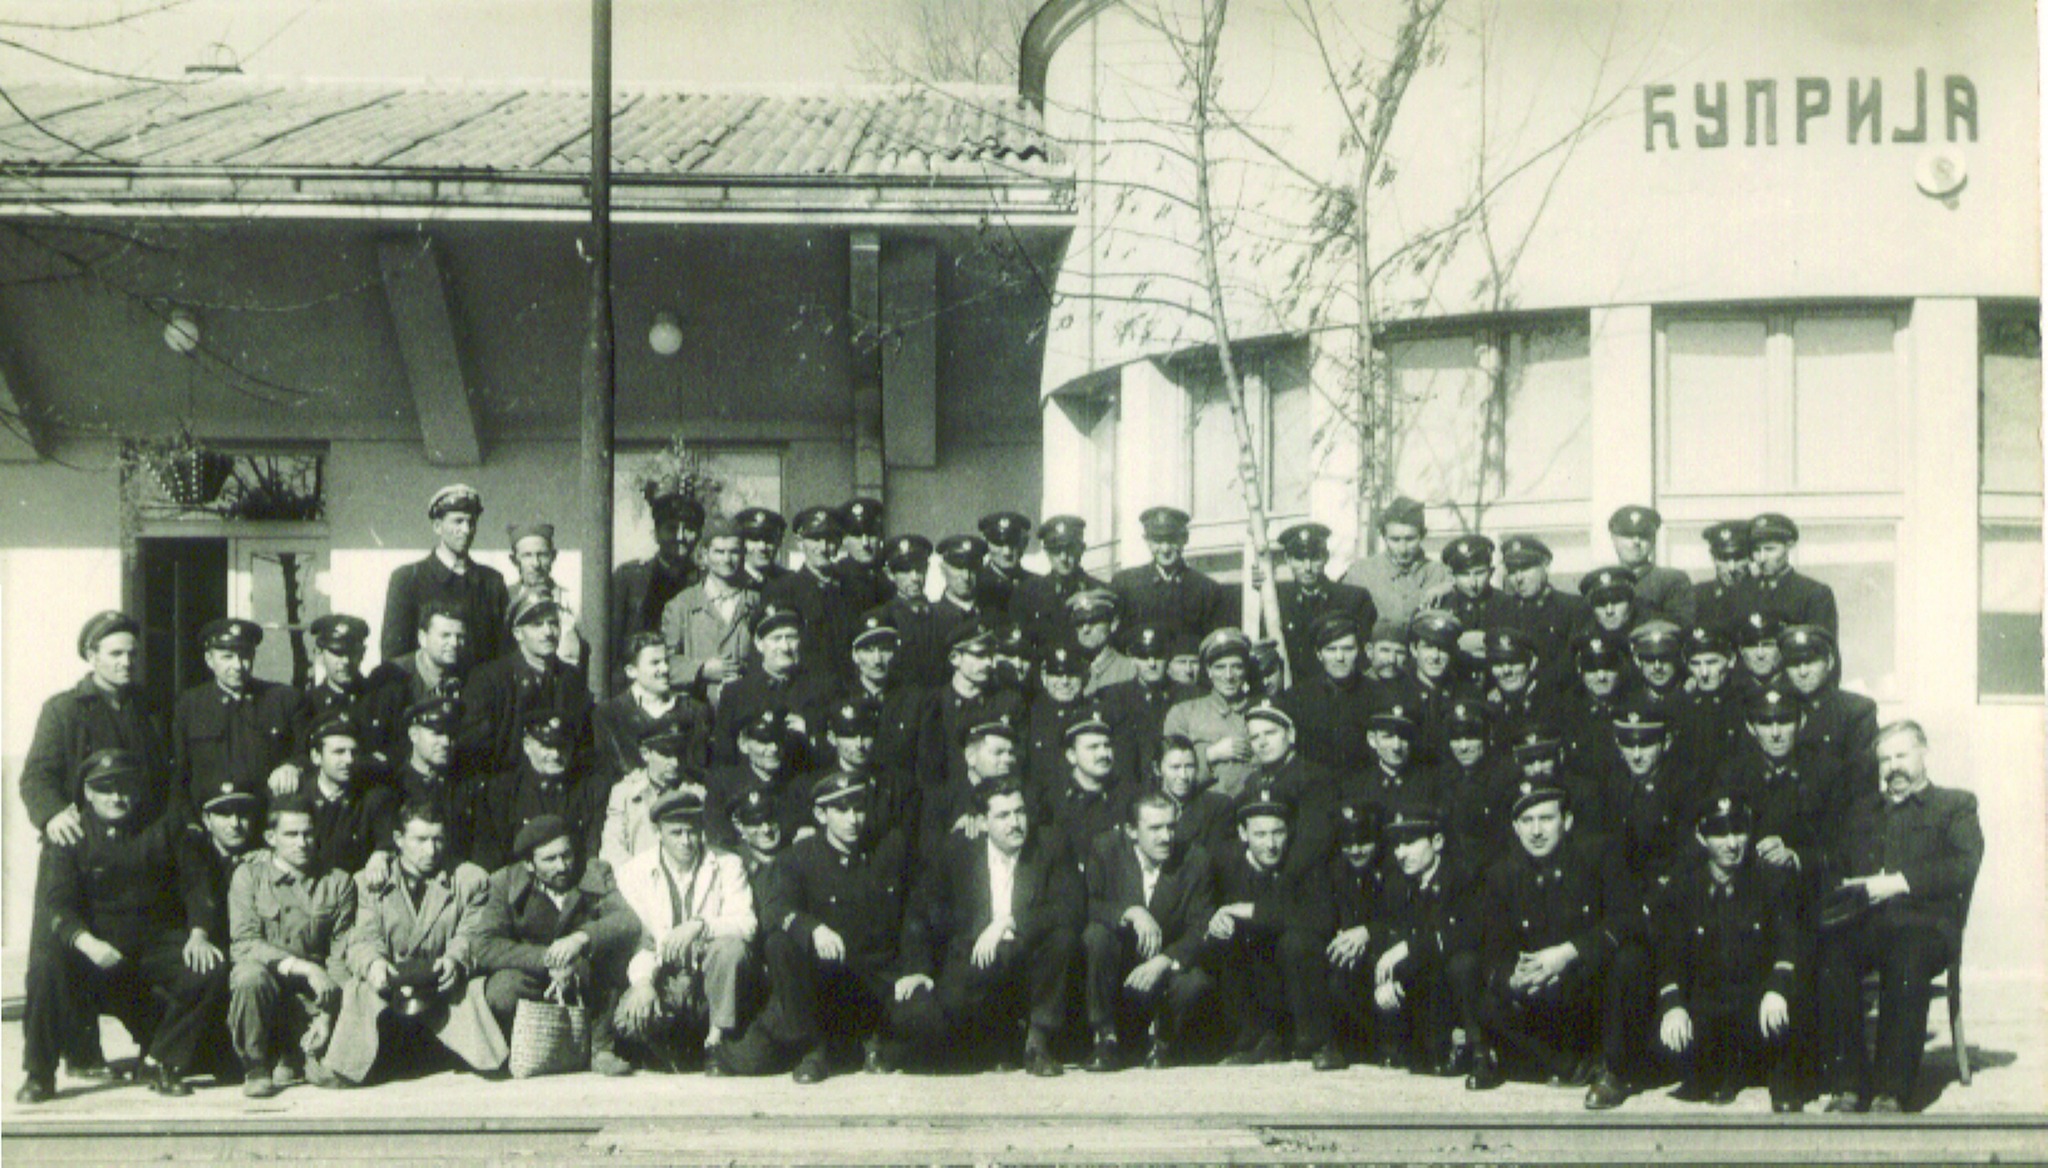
{"x": 1907, "y": 959}
{"x": 1273, "y": 978}
{"x": 1631, "y": 1004}
{"x": 1439, "y": 994}
{"x": 813, "y": 1001}
{"x": 1729, "y": 1048}
{"x": 982, "y": 1006}
{"x": 1549, "y": 1030}
{"x": 165, "y": 1005}
{"x": 1123, "y": 1011}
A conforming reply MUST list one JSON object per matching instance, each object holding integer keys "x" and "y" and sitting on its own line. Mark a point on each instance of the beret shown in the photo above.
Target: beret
{"x": 102, "y": 625}
{"x": 538, "y": 832}
{"x": 1005, "y": 529}
{"x": 455, "y": 497}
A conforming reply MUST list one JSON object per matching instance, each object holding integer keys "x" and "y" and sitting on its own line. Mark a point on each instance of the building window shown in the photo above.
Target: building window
{"x": 1277, "y": 400}
{"x": 2009, "y": 642}
{"x": 1781, "y": 403}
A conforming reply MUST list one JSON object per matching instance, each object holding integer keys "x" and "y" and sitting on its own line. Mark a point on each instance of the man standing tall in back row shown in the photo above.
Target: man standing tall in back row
{"x": 448, "y": 574}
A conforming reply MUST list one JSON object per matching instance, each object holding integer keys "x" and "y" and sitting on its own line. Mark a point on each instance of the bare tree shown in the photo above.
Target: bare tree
{"x": 947, "y": 41}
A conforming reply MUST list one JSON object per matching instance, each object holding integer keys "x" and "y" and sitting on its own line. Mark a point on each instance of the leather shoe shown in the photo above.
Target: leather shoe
{"x": 257, "y": 1083}
{"x": 1886, "y": 1104}
{"x": 1328, "y": 1058}
{"x": 876, "y": 1058}
{"x": 1485, "y": 1074}
{"x": 1264, "y": 1049}
{"x": 103, "y": 1072}
{"x": 1581, "y": 1073}
{"x": 165, "y": 1081}
{"x": 1104, "y": 1056}
{"x": 1606, "y": 1092}
{"x": 1038, "y": 1061}
{"x": 812, "y": 1068}
{"x": 1845, "y": 1103}
{"x": 1159, "y": 1056}
{"x": 36, "y": 1091}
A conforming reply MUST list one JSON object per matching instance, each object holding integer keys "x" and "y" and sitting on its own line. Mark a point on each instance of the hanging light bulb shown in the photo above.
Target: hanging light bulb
{"x": 665, "y": 336}
{"x": 181, "y": 333}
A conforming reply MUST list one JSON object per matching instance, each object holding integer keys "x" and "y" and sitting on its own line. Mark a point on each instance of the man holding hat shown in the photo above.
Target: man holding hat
{"x": 1664, "y": 592}
{"x": 820, "y": 593}
{"x": 1840, "y": 725}
{"x": 103, "y": 711}
{"x": 1168, "y": 593}
{"x": 501, "y": 693}
{"x": 642, "y": 589}
{"x": 834, "y": 916}
{"x": 1426, "y": 978}
{"x": 548, "y": 782}
{"x": 1528, "y": 602}
{"x": 697, "y": 922}
{"x": 120, "y": 928}
{"x": 761, "y": 533}
{"x": 533, "y": 555}
{"x": 554, "y": 919}
{"x": 1730, "y": 961}
{"x": 235, "y": 728}
{"x": 448, "y": 574}
{"x": 1777, "y": 588}
{"x": 1007, "y": 533}
{"x": 1719, "y": 603}
{"x": 412, "y": 956}
{"x": 1400, "y": 576}
{"x": 1040, "y": 603}
{"x": 1329, "y": 700}
{"x": 339, "y": 642}
{"x": 1267, "y": 937}
{"x": 1215, "y": 720}
{"x": 1309, "y": 594}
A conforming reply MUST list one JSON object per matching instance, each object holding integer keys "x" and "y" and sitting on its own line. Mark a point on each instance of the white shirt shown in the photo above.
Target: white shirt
{"x": 1149, "y": 874}
{"x": 1002, "y": 883}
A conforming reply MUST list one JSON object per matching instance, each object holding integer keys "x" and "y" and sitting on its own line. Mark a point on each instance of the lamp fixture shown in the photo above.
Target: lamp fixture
{"x": 665, "y": 335}
{"x": 181, "y": 333}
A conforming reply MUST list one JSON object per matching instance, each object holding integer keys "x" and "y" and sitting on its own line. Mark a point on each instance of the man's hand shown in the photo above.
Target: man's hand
{"x": 991, "y": 939}
{"x": 910, "y": 984}
{"x": 1883, "y": 886}
{"x": 1231, "y": 749}
{"x": 64, "y": 828}
{"x": 1548, "y": 965}
{"x": 828, "y": 945}
{"x": 1146, "y": 926}
{"x": 1383, "y": 973}
{"x": 1676, "y": 1032}
{"x": 326, "y": 994}
{"x": 1223, "y": 925}
{"x": 201, "y": 955}
{"x": 379, "y": 975}
{"x": 1147, "y": 973}
{"x": 636, "y": 1007}
{"x": 101, "y": 954}
{"x": 674, "y": 949}
{"x": 717, "y": 669}
{"x": 447, "y": 973}
{"x": 284, "y": 780}
{"x": 377, "y": 871}
{"x": 566, "y": 950}
{"x": 1388, "y": 994}
{"x": 1772, "y": 850}
{"x": 1773, "y": 1015}
{"x": 1348, "y": 946}
{"x": 970, "y": 825}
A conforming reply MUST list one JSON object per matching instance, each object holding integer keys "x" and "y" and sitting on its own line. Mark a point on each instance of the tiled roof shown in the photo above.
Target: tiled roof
{"x": 251, "y": 125}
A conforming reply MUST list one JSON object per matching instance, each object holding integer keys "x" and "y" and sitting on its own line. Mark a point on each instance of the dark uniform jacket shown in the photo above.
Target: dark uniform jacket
{"x": 1038, "y": 605}
{"x": 859, "y": 895}
{"x": 72, "y": 725}
{"x": 807, "y": 695}
{"x": 381, "y": 744}
{"x": 641, "y": 590}
{"x": 520, "y": 921}
{"x": 1189, "y": 604}
{"x": 218, "y": 737}
{"x": 1718, "y": 948}
{"x": 480, "y": 591}
{"x": 616, "y": 726}
{"x": 1795, "y": 600}
{"x": 1720, "y": 606}
{"x": 896, "y": 734}
{"x": 397, "y": 686}
{"x": 1477, "y": 802}
{"x": 1136, "y": 712}
{"x": 1045, "y": 731}
{"x": 1288, "y": 898}
{"x": 1435, "y": 919}
{"x": 951, "y": 907}
{"x": 1358, "y": 897}
{"x": 1329, "y": 717}
{"x": 1550, "y": 619}
{"x": 1483, "y": 611}
{"x": 347, "y": 829}
{"x": 1207, "y": 818}
{"x": 1650, "y": 823}
{"x": 1182, "y": 899}
{"x": 1579, "y": 893}
{"x": 1300, "y": 608}
{"x": 1539, "y": 701}
{"x": 921, "y": 660}
{"x": 1842, "y": 727}
{"x": 726, "y": 786}
{"x": 198, "y": 854}
{"x": 499, "y": 695}
{"x": 1081, "y": 817}
{"x": 129, "y": 884}
{"x": 941, "y": 744}
{"x": 831, "y": 607}
{"x": 460, "y": 801}
{"x": 994, "y": 588}
{"x": 1708, "y": 728}
{"x": 1796, "y": 799}
{"x": 514, "y": 798}
{"x": 1667, "y": 593}
{"x": 1314, "y": 792}
{"x": 1932, "y": 838}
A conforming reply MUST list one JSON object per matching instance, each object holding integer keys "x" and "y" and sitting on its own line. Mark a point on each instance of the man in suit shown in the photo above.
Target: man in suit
{"x": 1309, "y": 595}
{"x": 103, "y": 711}
{"x": 1168, "y": 593}
{"x": 642, "y": 589}
{"x": 990, "y": 939}
{"x": 1913, "y": 850}
{"x": 411, "y": 952}
{"x": 1663, "y": 592}
{"x": 1149, "y": 904}
{"x": 501, "y": 694}
{"x": 553, "y": 918}
{"x": 234, "y": 728}
{"x": 708, "y": 625}
{"x": 1778, "y": 589}
{"x": 448, "y": 574}
{"x": 697, "y": 923}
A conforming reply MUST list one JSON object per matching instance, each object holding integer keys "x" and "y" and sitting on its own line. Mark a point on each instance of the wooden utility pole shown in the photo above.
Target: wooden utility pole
{"x": 595, "y": 414}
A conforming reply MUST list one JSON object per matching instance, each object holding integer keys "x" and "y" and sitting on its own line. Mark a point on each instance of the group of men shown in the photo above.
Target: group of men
{"x": 828, "y": 820}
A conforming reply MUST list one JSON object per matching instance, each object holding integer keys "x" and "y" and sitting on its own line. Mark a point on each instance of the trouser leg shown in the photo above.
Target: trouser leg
{"x": 192, "y": 1003}
{"x": 1626, "y": 1010}
{"x": 794, "y": 978}
{"x": 724, "y": 965}
{"x": 1302, "y": 965}
{"x": 61, "y": 1003}
{"x": 1908, "y": 960}
{"x": 254, "y": 1000}
{"x": 1110, "y": 956}
{"x": 504, "y": 988}
{"x": 1049, "y": 969}
{"x": 1845, "y": 1058}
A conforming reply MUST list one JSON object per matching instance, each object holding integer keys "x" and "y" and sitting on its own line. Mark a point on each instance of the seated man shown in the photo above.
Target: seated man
{"x": 553, "y": 919}
{"x": 1358, "y": 898}
{"x": 1426, "y": 980}
{"x": 628, "y": 829}
{"x": 120, "y": 928}
{"x": 411, "y": 952}
{"x": 1914, "y": 850}
{"x": 351, "y": 810}
{"x": 1728, "y": 950}
{"x": 549, "y": 780}
{"x": 289, "y": 918}
{"x": 989, "y": 940}
{"x": 1149, "y": 903}
{"x": 1267, "y": 938}
{"x": 835, "y": 913}
{"x": 697, "y": 919}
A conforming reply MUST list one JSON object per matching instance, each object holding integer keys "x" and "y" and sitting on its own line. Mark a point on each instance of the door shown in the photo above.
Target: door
{"x": 184, "y": 584}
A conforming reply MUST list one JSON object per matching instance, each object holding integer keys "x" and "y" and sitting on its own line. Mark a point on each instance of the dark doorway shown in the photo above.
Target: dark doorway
{"x": 183, "y": 585}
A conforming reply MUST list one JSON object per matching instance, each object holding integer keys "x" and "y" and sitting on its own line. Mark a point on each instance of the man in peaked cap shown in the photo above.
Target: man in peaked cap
{"x": 235, "y": 728}
{"x": 450, "y": 575}
{"x": 853, "y": 730}
{"x": 1756, "y": 646}
{"x": 431, "y": 775}
{"x": 830, "y": 605}
{"x": 1007, "y": 534}
{"x": 500, "y": 694}
{"x": 1471, "y": 597}
{"x": 1137, "y": 708}
{"x": 1529, "y": 603}
{"x": 1730, "y": 958}
{"x": 1611, "y": 598}
{"x": 1600, "y": 664}
{"x": 1777, "y": 587}
{"x": 1358, "y": 897}
{"x": 1167, "y": 592}
{"x": 860, "y": 553}
{"x": 779, "y": 685}
{"x": 1474, "y": 783}
{"x": 1267, "y": 937}
{"x": 759, "y": 837}
{"x": 920, "y": 661}
{"x": 550, "y": 780}
{"x": 1719, "y": 603}
{"x": 629, "y": 828}
{"x": 895, "y": 702}
{"x": 1708, "y": 724}
{"x": 1658, "y": 648}
{"x": 1215, "y": 720}
{"x": 1309, "y": 594}
{"x": 533, "y": 557}
{"x": 350, "y": 801}
{"x": 1400, "y": 576}
{"x": 774, "y": 746}
{"x": 761, "y": 533}
{"x": 1330, "y": 699}
{"x": 1393, "y": 776}
{"x": 103, "y": 710}
{"x": 969, "y": 697}
{"x": 1425, "y": 980}
{"x": 1665, "y": 592}
{"x": 642, "y": 589}
{"x": 1092, "y": 615}
{"x": 1520, "y": 691}
{"x": 339, "y": 642}
{"x": 1056, "y": 705}
{"x": 961, "y": 562}
{"x": 1840, "y": 725}
{"x": 1039, "y": 605}
{"x": 1796, "y": 795}
{"x": 1090, "y": 798}
{"x": 555, "y": 917}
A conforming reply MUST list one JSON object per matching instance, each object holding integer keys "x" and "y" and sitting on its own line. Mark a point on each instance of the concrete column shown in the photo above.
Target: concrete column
{"x": 1938, "y": 552}
{"x": 1151, "y": 457}
{"x": 864, "y": 305}
{"x": 1622, "y": 366}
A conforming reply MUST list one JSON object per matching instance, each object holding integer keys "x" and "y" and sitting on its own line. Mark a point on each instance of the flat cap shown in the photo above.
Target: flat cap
{"x": 1635, "y": 520}
{"x": 1468, "y": 552}
{"x": 339, "y": 633}
{"x": 455, "y": 497}
{"x": 681, "y": 802}
{"x": 102, "y": 625}
{"x": 1005, "y": 529}
{"x": 231, "y": 633}
{"x": 1167, "y": 523}
{"x": 538, "y": 832}
{"x": 1068, "y": 531}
